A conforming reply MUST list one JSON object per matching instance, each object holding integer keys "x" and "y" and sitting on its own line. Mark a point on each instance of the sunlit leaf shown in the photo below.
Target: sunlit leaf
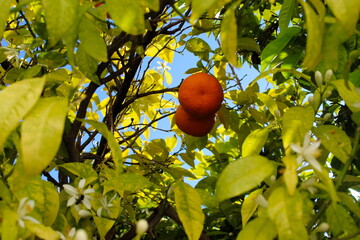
{"x": 103, "y": 225}
{"x": 152, "y": 4}
{"x": 114, "y": 147}
{"x": 350, "y": 202}
{"x": 272, "y": 50}
{"x": 228, "y": 35}
{"x": 198, "y": 47}
{"x": 242, "y": 175}
{"x": 131, "y": 182}
{"x": 59, "y": 16}
{"x": 81, "y": 170}
{"x": 15, "y": 101}
{"x": 249, "y": 206}
{"x": 41, "y": 134}
{"x": 315, "y": 29}
{"x": 254, "y": 142}
{"x": 286, "y": 13}
{"x": 42, "y": 231}
{"x": 269, "y": 102}
{"x": 4, "y": 11}
{"x": 87, "y": 64}
{"x": 91, "y": 41}
{"x": 9, "y": 227}
{"x": 199, "y": 7}
{"x": 188, "y": 206}
{"x": 260, "y": 228}
{"x": 286, "y": 212}
{"x": 128, "y": 15}
{"x": 290, "y": 174}
{"x": 348, "y": 93}
{"x": 335, "y": 141}
{"x": 297, "y": 121}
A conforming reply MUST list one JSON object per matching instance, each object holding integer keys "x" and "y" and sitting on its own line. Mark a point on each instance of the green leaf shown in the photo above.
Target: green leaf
{"x": 9, "y": 226}
{"x": 59, "y": 16}
{"x": 315, "y": 30}
{"x": 87, "y": 64}
{"x": 287, "y": 213}
{"x": 346, "y": 12}
{"x": 41, "y": 134}
{"x": 228, "y": 35}
{"x": 46, "y": 199}
{"x": 4, "y": 12}
{"x": 42, "y": 231}
{"x": 152, "y": 4}
{"x": 242, "y": 175}
{"x": 249, "y": 206}
{"x": 260, "y": 228}
{"x": 113, "y": 145}
{"x": 254, "y": 142}
{"x": 247, "y": 44}
{"x": 286, "y": 13}
{"x": 82, "y": 170}
{"x": 269, "y": 102}
{"x": 348, "y": 93}
{"x": 103, "y": 225}
{"x": 121, "y": 182}
{"x": 198, "y": 47}
{"x": 340, "y": 221}
{"x": 15, "y": 101}
{"x": 199, "y": 7}
{"x": 188, "y": 206}
{"x": 91, "y": 41}
{"x": 274, "y": 48}
{"x": 350, "y": 203}
{"x": 297, "y": 122}
{"x": 334, "y": 140}
{"x": 128, "y": 15}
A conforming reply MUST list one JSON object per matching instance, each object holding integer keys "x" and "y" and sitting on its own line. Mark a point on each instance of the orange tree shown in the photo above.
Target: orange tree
{"x": 82, "y": 103}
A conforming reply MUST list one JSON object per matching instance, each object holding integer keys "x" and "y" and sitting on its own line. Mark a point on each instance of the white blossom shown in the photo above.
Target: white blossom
{"x": 164, "y": 66}
{"x": 105, "y": 205}
{"x": 141, "y": 226}
{"x": 81, "y": 234}
{"x": 308, "y": 152}
{"x": 79, "y": 194}
{"x": 25, "y": 207}
{"x": 261, "y": 201}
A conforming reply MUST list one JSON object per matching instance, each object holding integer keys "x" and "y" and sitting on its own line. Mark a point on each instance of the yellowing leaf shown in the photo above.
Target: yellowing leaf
{"x": 199, "y": 7}
{"x": 15, "y": 101}
{"x": 103, "y": 225}
{"x": 188, "y": 206}
{"x": 242, "y": 175}
{"x": 4, "y": 11}
{"x": 80, "y": 169}
{"x": 228, "y": 35}
{"x": 297, "y": 121}
{"x": 260, "y": 228}
{"x": 128, "y": 15}
{"x": 254, "y": 142}
{"x": 340, "y": 221}
{"x": 315, "y": 28}
{"x": 249, "y": 206}
{"x": 42, "y": 231}
{"x": 287, "y": 213}
{"x": 334, "y": 140}
{"x": 41, "y": 134}
{"x": 290, "y": 174}
{"x": 9, "y": 227}
{"x": 59, "y": 16}
{"x": 348, "y": 93}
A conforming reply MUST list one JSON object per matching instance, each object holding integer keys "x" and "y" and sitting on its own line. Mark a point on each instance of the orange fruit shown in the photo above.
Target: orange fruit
{"x": 191, "y": 125}
{"x": 201, "y": 95}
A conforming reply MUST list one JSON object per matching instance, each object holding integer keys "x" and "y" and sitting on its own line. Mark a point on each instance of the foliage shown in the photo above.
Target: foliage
{"x": 87, "y": 135}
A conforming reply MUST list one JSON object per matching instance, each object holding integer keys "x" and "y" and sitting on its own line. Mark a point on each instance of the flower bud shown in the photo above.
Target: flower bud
{"x": 261, "y": 201}
{"x": 277, "y": 113}
{"x": 327, "y": 116}
{"x": 141, "y": 226}
{"x": 311, "y": 99}
{"x": 81, "y": 235}
{"x": 328, "y": 75}
{"x": 318, "y": 78}
{"x": 323, "y": 227}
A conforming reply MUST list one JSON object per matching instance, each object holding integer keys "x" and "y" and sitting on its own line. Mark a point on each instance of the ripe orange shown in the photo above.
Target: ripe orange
{"x": 191, "y": 125}
{"x": 201, "y": 95}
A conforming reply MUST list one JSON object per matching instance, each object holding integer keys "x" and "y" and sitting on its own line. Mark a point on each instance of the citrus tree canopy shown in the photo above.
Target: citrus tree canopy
{"x": 90, "y": 147}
